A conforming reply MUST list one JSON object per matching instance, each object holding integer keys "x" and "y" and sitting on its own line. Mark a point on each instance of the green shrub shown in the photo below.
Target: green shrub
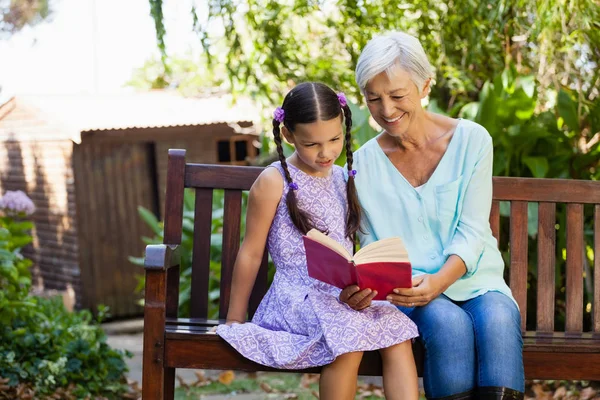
{"x": 44, "y": 349}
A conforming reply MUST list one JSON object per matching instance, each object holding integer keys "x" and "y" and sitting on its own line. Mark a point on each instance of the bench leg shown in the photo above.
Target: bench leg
{"x": 169, "y": 383}
{"x": 153, "y": 372}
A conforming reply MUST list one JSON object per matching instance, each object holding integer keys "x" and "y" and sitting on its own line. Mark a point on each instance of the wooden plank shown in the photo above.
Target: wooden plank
{"x": 574, "y": 312}
{"x": 174, "y": 197}
{"x": 172, "y": 302}
{"x": 518, "y": 256}
{"x": 575, "y": 366}
{"x": 201, "y": 253}
{"x": 218, "y": 354}
{"x": 101, "y": 223}
{"x": 231, "y": 244}
{"x": 140, "y": 189}
{"x": 546, "y": 266}
{"x": 83, "y": 198}
{"x": 137, "y": 176}
{"x": 495, "y": 220}
{"x": 114, "y": 240}
{"x": 169, "y": 384}
{"x": 127, "y": 216}
{"x": 548, "y": 190}
{"x": 596, "y": 305}
{"x": 221, "y": 176}
{"x": 260, "y": 286}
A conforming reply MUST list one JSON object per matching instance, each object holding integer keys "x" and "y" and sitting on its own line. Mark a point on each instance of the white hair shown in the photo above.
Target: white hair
{"x": 389, "y": 52}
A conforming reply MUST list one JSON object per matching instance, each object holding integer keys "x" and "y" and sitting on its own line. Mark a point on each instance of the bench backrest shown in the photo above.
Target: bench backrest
{"x": 519, "y": 192}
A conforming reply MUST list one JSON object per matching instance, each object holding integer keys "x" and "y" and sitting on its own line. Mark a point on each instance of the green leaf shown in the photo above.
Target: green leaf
{"x": 434, "y": 107}
{"x": 528, "y": 84}
{"x": 150, "y": 219}
{"x": 469, "y": 111}
{"x": 136, "y": 260}
{"x": 486, "y": 114}
{"x": 532, "y": 218}
{"x": 537, "y": 165}
{"x": 567, "y": 109}
{"x": 21, "y": 226}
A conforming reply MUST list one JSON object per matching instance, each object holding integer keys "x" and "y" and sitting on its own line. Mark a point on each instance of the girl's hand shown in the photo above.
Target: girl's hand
{"x": 425, "y": 288}
{"x": 357, "y": 299}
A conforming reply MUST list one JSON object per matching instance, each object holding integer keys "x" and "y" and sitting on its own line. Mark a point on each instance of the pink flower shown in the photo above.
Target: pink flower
{"x": 342, "y": 98}
{"x": 16, "y": 203}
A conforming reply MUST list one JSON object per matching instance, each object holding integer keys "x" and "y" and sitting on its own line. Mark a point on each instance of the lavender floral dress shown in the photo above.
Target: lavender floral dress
{"x": 300, "y": 322}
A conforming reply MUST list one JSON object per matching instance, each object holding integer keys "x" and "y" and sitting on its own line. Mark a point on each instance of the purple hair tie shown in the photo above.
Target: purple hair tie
{"x": 352, "y": 173}
{"x": 279, "y": 114}
{"x": 342, "y": 98}
{"x": 293, "y": 186}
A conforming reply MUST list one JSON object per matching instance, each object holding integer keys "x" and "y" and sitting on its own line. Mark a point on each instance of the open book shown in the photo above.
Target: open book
{"x": 382, "y": 265}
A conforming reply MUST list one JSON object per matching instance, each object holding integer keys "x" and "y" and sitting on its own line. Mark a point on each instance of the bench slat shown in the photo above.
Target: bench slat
{"x": 231, "y": 244}
{"x": 260, "y": 286}
{"x": 518, "y": 256}
{"x": 201, "y": 253}
{"x": 550, "y": 190}
{"x": 212, "y": 352}
{"x": 574, "y": 312}
{"x": 220, "y": 176}
{"x": 174, "y": 197}
{"x": 495, "y": 220}
{"x": 173, "y": 223}
{"x": 546, "y": 266}
{"x": 596, "y": 305}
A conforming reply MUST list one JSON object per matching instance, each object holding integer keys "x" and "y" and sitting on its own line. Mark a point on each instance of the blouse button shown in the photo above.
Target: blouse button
{"x": 432, "y": 256}
{"x": 420, "y": 219}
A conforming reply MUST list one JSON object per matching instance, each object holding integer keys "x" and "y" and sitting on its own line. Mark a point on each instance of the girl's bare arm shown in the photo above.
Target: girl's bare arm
{"x": 263, "y": 199}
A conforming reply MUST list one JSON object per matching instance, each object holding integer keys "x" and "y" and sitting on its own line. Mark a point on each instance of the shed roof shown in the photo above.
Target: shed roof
{"x": 55, "y": 117}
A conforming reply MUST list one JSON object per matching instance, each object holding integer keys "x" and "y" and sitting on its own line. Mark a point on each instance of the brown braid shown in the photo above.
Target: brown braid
{"x": 299, "y": 217}
{"x": 354, "y": 210}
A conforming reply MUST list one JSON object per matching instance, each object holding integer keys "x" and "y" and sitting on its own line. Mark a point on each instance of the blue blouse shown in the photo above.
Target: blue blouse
{"x": 448, "y": 215}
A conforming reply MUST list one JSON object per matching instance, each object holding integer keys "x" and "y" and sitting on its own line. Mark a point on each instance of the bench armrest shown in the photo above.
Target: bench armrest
{"x": 161, "y": 256}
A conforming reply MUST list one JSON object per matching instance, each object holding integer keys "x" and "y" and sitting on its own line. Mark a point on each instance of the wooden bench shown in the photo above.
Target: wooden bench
{"x": 171, "y": 342}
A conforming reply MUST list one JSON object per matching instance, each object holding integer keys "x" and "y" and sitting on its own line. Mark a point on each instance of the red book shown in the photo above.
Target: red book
{"x": 382, "y": 265}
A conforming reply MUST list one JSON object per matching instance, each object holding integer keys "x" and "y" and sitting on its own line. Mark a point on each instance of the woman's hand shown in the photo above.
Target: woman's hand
{"x": 425, "y": 288}
{"x": 357, "y": 299}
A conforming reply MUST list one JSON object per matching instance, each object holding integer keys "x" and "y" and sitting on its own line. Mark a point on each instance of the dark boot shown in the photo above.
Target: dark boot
{"x": 498, "y": 393}
{"x": 470, "y": 395}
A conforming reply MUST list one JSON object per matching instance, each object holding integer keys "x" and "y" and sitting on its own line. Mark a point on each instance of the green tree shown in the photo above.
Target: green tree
{"x": 271, "y": 45}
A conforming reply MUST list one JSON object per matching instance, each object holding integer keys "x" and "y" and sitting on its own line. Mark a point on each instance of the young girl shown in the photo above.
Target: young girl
{"x": 301, "y": 322}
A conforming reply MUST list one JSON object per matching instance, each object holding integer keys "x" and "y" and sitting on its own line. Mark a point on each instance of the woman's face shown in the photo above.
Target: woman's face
{"x": 394, "y": 101}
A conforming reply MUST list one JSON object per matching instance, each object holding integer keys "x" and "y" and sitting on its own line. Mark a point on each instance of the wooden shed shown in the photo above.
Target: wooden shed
{"x": 88, "y": 162}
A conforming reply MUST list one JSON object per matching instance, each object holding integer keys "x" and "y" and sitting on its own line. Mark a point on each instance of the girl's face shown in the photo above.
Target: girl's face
{"x": 317, "y": 144}
{"x": 394, "y": 101}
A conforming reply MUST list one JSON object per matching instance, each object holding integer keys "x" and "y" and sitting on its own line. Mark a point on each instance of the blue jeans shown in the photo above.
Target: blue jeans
{"x": 470, "y": 344}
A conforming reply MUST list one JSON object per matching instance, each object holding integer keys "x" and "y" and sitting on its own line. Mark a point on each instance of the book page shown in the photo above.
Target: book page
{"x": 325, "y": 240}
{"x": 384, "y": 250}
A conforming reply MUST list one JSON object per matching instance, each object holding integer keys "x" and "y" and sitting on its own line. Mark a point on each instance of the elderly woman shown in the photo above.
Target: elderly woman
{"x": 428, "y": 179}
